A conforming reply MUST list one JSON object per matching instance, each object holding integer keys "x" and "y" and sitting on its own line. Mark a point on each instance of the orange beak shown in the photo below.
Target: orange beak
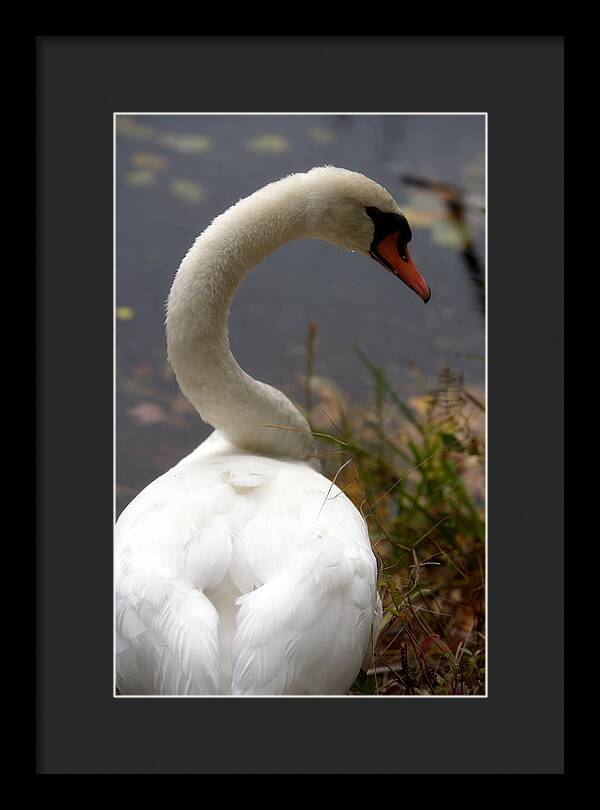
{"x": 394, "y": 256}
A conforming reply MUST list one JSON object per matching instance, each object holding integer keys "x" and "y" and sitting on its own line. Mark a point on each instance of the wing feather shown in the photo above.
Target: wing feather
{"x": 278, "y": 533}
{"x": 305, "y": 632}
{"x": 167, "y": 628}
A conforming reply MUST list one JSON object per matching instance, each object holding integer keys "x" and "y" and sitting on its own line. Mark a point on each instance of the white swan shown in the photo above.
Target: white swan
{"x": 242, "y": 570}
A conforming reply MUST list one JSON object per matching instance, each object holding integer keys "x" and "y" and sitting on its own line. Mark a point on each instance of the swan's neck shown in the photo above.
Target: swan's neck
{"x": 197, "y": 317}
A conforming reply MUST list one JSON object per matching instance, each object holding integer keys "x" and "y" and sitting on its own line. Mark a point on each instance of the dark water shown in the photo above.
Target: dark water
{"x": 175, "y": 173}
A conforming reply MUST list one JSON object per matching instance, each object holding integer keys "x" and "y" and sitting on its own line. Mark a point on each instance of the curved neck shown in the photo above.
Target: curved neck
{"x": 197, "y": 322}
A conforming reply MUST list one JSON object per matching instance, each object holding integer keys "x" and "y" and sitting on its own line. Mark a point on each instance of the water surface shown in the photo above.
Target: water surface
{"x": 174, "y": 174}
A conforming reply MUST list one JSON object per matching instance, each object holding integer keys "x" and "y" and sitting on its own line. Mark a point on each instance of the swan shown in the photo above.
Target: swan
{"x": 243, "y": 570}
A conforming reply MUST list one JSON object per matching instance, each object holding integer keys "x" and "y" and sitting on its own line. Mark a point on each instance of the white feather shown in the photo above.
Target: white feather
{"x": 291, "y": 553}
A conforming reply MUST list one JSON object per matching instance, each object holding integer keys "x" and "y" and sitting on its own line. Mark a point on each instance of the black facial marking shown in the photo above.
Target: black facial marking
{"x": 385, "y": 224}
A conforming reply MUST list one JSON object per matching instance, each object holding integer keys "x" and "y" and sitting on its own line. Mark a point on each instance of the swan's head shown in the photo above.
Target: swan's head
{"x": 357, "y": 214}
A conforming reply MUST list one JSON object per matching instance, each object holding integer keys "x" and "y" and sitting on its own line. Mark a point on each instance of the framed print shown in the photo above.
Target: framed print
{"x": 355, "y": 546}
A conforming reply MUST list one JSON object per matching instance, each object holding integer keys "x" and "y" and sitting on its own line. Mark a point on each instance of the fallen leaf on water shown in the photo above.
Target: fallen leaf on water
{"x": 268, "y": 144}
{"x": 449, "y": 234}
{"x": 187, "y": 191}
{"x": 149, "y": 160}
{"x": 149, "y": 413}
{"x": 141, "y": 370}
{"x": 132, "y": 128}
{"x": 125, "y": 313}
{"x": 186, "y": 144}
{"x": 322, "y": 135}
{"x": 140, "y": 178}
{"x": 430, "y": 211}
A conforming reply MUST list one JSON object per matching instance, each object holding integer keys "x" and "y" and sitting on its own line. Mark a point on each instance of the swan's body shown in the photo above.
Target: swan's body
{"x": 243, "y": 570}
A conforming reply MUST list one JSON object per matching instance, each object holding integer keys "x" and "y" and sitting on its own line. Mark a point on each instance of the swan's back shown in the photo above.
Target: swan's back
{"x": 242, "y": 574}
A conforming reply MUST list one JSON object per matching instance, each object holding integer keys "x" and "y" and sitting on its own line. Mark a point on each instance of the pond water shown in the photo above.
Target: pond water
{"x": 175, "y": 173}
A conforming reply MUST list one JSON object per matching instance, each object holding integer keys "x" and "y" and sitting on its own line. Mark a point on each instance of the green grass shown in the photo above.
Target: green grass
{"x": 415, "y": 469}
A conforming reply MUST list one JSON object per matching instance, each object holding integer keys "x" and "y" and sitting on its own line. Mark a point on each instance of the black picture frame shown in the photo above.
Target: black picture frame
{"x": 81, "y": 82}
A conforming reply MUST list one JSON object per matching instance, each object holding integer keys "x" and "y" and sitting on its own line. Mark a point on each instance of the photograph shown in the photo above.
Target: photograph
{"x": 300, "y": 452}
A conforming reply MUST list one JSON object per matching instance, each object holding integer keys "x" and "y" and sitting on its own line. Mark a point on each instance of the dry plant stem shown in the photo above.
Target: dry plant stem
{"x": 309, "y": 370}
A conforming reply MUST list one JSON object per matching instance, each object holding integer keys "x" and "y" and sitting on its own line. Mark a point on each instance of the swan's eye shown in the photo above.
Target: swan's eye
{"x": 402, "y": 252}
